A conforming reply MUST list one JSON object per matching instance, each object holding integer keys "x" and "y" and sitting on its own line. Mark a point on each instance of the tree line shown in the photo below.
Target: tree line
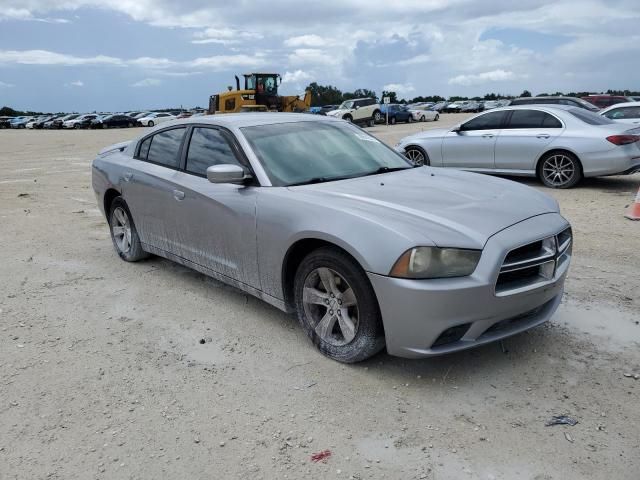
{"x": 330, "y": 95}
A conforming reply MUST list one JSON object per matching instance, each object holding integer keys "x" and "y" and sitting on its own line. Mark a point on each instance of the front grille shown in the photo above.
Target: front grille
{"x": 533, "y": 264}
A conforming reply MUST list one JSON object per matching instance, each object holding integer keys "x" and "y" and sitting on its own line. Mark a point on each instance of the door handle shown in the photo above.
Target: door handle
{"x": 178, "y": 195}
{"x": 487, "y": 135}
{"x": 543, "y": 135}
{"x": 128, "y": 176}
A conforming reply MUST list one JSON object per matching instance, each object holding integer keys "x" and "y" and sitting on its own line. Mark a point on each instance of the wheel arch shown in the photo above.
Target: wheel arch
{"x": 297, "y": 252}
{"x": 557, "y": 150}
{"x": 109, "y": 196}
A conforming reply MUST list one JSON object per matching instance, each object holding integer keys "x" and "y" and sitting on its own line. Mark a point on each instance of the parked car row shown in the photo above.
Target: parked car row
{"x": 94, "y": 120}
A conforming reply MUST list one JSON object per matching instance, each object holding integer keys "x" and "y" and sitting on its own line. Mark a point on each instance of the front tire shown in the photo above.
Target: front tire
{"x": 377, "y": 116}
{"x": 559, "y": 170}
{"x": 436, "y": 118}
{"x": 392, "y": 120}
{"x": 417, "y": 155}
{"x": 337, "y": 307}
{"x": 348, "y": 118}
{"x": 410, "y": 119}
{"x": 150, "y": 124}
{"x": 123, "y": 232}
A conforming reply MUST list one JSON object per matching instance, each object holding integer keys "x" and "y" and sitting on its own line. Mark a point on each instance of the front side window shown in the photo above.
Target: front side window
{"x": 488, "y": 121}
{"x": 532, "y": 119}
{"x": 313, "y": 152}
{"x": 208, "y": 147}
{"x": 165, "y": 147}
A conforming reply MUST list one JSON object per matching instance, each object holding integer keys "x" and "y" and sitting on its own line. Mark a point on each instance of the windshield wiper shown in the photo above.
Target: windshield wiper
{"x": 312, "y": 181}
{"x": 387, "y": 170}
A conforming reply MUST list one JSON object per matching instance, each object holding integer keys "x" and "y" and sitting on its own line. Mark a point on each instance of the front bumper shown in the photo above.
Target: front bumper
{"x": 418, "y": 314}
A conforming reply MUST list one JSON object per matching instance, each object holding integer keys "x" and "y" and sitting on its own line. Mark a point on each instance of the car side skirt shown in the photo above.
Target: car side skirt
{"x": 276, "y": 302}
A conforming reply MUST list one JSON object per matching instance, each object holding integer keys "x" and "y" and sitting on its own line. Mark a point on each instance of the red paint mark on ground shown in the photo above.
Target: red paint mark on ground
{"x": 321, "y": 456}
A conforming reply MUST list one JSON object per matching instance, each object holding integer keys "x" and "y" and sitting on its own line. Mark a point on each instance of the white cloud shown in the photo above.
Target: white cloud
{"x": 312, "y": 56}
{"x": 399, "y": 88}
{"x": 418, "y": 59}
{"x": 296, "y": 77}
{"x": 45, "y": 57}
{"x": 483, "y": 78}
{"x": 147, "y": 82}
{"x": 224, "y": 36}
{"x": 77, "y": 83}
{"x": 226, "y": 62}
{"x": 306, "y": 41}
{"x": 6, "y": 85}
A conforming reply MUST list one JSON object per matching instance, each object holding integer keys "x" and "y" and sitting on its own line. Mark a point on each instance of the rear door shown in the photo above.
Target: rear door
{"x": 473, "y": 146}
{"x": 524, "y": 137}
{"x": 150, "y": 188}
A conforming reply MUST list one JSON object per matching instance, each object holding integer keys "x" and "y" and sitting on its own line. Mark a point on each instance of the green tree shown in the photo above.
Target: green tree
{"x": 526, "y": 93}
{"x": 324, "y": 95}
{"x": 393, "y": 98}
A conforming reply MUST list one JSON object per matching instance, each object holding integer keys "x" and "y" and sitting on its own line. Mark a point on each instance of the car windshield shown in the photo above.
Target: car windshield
{"x": 314, "y": 152}
{"x": 347, "y": 104}
{"x": 589, "y": 117}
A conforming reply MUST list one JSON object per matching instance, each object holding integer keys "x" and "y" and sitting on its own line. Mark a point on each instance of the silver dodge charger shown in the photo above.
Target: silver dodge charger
{"x": 317, "y": 217}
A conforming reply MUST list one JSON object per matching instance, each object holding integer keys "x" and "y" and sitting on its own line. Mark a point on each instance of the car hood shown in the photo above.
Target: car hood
{"x": 446, "y": 208}
{"x": 339, "y": 111}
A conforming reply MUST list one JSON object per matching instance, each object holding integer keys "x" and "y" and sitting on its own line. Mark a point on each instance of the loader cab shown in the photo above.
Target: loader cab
{"x": 266, "y": 87}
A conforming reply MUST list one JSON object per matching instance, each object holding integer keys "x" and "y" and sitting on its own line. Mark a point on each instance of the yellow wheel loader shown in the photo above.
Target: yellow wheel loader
{"x": 260, "y": 89}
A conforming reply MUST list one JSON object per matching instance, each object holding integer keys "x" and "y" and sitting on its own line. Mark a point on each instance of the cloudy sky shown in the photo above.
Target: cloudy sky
{"x": 84, "y": 55}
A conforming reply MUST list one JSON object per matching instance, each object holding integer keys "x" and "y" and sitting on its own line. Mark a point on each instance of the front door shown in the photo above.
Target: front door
{"x": 217, "y": 222}
{"x": 472, "y": 147}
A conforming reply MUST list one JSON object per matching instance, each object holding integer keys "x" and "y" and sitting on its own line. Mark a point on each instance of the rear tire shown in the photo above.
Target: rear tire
{"x": 392, "y": 120}
{"x": 559, "y": 169}
{"x": 377, "y": 116}
{"x": 436, "y": 118}
{"x": 348, "y": 118}
{"x": 337, "y": 307}
{"x": 123, "y": 232}
{"x": 410, "y": 119}
{"x": 150, "y": 124}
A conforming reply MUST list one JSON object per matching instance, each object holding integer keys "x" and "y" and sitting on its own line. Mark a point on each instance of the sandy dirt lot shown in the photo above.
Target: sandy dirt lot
{"x": 102, "y": 373}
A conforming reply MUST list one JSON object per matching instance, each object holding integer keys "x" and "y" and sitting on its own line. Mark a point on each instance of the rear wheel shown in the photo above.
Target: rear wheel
{"x": 392, "y": 120}
{"x": 337, "y": 306}
{"x": 371, "y": 122}
{"x": 130, "y": 125}
{"x": 423, "y": 119}
{"x": 377, "y": 116}
{"x": 559, "y": 170}
{"x": 151, "y": 124}
{"x": 436, "y": 118}
{"x": 123, "y": 232}
{"x": 348, "y": 118}
{"x": 410, "y": 119}
{"x": 417, "y": 155}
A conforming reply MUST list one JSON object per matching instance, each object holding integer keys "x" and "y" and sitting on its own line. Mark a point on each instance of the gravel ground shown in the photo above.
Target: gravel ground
{"x": 103, "y": 374}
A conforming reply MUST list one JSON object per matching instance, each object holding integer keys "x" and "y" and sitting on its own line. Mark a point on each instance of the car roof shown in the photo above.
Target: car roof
{"x": 248, "y": 119}
{"x": 620, "y": 105}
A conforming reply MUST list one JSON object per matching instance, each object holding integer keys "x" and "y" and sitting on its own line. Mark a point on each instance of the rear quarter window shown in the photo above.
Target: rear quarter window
{"x": 589, "y": 117}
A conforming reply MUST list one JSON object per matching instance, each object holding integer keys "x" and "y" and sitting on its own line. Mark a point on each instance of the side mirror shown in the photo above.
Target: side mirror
{"x": 457, "y": 129}
{"x": 227, "y": 173}
{"x": 357, "y": 107}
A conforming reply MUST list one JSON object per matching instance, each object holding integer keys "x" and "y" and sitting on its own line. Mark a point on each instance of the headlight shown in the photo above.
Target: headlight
{"x": 434, "y": 262}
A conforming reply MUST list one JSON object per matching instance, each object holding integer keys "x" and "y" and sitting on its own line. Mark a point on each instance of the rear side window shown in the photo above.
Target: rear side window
{"x": 488, "y": 121}
{"x": 589, "y": 117}
{"x": 165, "y": 147}
{"x": 532, "y": 119}
{"x": 208, "y": 147}
{"x": 623, "y": 112}
{"x": 144, "y": 149}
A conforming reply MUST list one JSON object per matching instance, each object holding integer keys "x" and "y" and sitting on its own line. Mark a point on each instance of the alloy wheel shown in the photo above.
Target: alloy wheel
{"x": 415, "y": 155}
{"x": 330, "y": 306}
{"x": 121, "y": 227}
{"x": 558, "y": 170}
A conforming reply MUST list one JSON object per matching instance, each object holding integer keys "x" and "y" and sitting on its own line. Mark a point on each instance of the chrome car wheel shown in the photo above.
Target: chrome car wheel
{"x": 331, "y": 306}
{"x": 559, "y": 171}
{"x": 416, "y": 155}
{"x": 121, "y": 227}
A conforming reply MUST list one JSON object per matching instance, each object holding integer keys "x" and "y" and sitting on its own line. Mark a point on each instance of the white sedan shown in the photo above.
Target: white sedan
{"x": 155, "y": 119}
{"x": 628, "y": 112}
{"x": 425, "y": 115}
